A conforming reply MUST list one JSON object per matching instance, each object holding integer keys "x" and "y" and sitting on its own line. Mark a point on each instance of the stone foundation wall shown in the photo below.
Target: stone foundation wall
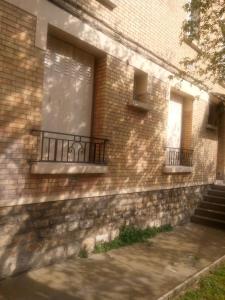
{"x": 38, "y": 234}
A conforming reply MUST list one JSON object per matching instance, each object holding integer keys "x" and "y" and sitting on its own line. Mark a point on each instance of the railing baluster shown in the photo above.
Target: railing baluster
{"x": 79, "y": 149}
{"x": 49, "y": 140}
{"x": 67, "y": 155}
{"x": 178, "y": 156}
{"x": 62, "y": 149}
{"x": 85, "y": 150}
{"x": 94, "y": 156}
{"x": 103, "y": 156}
{"x": 56, "y": 147}
{"x": 42, "y": 144}
{"x": 99, "y": 153}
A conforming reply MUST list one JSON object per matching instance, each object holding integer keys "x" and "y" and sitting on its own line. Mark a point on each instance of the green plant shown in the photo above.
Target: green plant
{"x": 211, "y": 287}
{"x": 83, "y": 253}
{"x": 129, "y": 235}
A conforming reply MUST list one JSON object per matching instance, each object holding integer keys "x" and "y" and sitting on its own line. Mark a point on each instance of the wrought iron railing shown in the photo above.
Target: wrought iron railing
{"x": 179, "y": 157}
{"x": 68, "y": 148}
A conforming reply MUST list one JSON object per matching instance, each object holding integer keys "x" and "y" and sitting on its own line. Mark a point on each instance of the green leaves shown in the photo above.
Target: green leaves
{"x": 205, "y": 28}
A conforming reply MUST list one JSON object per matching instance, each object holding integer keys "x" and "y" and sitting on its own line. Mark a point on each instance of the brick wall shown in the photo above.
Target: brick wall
{"x": 135, "y": 152}
{"x": 155, "y": 25}
{"x": 136, "y": 149}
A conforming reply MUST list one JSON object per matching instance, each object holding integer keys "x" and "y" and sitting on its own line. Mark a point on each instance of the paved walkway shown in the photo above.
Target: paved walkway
{"x": 141, "y": 271}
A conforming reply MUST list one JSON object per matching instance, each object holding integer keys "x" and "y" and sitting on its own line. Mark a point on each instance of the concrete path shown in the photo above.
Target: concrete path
{"x": 141, "y": 271}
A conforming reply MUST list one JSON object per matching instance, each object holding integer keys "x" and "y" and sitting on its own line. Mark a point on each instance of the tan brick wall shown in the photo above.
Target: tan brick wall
{"x": 154, "y": 25}
{"x": 187, "y": 124}
{"x": 136, "y": 148}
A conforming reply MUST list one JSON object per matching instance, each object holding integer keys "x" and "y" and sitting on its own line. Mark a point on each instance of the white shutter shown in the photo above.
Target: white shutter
{"x": 174, "y": 128}
{"x": 68, "y": 89}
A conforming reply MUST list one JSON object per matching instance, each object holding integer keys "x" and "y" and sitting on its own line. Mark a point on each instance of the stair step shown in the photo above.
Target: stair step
{"x": 214, "y": 199}
{"x": 212, "y": 206}
{"x": 216, "y": 192}
{"x": 208, "y": 221}
{"x": 218, "y": 187}
{"x": 218, "y": 215}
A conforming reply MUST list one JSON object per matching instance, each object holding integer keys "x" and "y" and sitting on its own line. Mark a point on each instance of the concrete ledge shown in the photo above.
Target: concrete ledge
{"x": 108, "y": 3}
{"x": 177, "y": 169}
{"x": 143, "y": 106}
{"x": 211, "y": 127}
{"x": 67, "y": 168}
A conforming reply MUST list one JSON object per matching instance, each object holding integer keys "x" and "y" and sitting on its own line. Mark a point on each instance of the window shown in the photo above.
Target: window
{"x": 68, "y": 88}
{"x": 65, "y": 143}
{"x": 141, "y": 96}
{"x": 140, "y": 86}
{"x": 179, "y": 131}
{"x": 213, "y": 115}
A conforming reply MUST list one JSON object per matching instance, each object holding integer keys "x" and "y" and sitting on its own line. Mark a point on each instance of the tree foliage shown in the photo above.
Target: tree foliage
{"x": 205, "y": 29}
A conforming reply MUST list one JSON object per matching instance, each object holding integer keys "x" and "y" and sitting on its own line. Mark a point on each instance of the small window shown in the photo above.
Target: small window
{"x": 213, "y": 116}
{"x": 140, "y": 86}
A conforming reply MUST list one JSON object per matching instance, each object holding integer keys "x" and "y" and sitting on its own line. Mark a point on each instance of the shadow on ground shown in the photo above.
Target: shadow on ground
{"x": 141, "y": 271}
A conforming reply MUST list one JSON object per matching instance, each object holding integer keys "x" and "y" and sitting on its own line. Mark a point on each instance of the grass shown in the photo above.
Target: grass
{"x": 129, "y": 235}
{"x": 211, "y": 287}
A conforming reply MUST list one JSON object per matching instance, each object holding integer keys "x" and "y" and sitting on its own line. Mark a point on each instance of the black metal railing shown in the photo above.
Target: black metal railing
{"x": 68, "y": 148}
{"x": 179, "y": 157}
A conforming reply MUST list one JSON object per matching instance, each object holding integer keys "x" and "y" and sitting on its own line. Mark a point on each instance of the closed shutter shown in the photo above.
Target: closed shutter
{"x": 68, "y": 89}
{"x": 174, "y": 127}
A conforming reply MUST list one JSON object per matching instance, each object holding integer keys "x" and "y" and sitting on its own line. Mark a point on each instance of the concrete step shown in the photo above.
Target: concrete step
{"x": 213, "y": 214}
{"x": 208, "y": 221}
{"x": 214, "y": 199}
{"x": 218, "y": 187}
{"x": 216, "y": 192}
{"x": 212, "y": 206}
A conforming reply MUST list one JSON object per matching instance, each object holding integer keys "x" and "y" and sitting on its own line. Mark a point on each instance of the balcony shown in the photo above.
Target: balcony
{"x": 62, "y": 153}
{"x": 178, "y": 160}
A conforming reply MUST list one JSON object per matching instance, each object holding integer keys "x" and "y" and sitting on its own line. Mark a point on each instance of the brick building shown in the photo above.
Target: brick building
{"x": 97, "y": 128}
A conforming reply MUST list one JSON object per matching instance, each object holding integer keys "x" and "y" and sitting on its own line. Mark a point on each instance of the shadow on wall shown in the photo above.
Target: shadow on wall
{"x": 35, "y": 234}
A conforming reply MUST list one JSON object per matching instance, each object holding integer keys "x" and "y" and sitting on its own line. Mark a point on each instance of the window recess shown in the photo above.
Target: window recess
{"x": 213, "y": 116}
{"x": 179, "y": 153}
{"x": 141, "y": 96}
{"x": 65, "y": 138}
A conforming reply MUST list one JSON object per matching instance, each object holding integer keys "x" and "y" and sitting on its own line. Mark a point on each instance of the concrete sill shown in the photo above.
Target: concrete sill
{"x": 211, "y": 127}
{"x": 193, "y": 44}
{"x": 140, "y": 105}
{"x": 177, "y": 169}
{"x": 108, "y": 3}
{"x": 67, "y": 168}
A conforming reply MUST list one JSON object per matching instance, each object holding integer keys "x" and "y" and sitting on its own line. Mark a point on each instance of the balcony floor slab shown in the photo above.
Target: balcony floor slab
{"x": 177, "y": 169}
{"x": 67, "y": 168}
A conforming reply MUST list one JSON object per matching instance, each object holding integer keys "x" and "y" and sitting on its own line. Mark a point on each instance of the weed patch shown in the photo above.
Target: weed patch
{"x": 83, "y": 253}
{"x": 129, "y": 235}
